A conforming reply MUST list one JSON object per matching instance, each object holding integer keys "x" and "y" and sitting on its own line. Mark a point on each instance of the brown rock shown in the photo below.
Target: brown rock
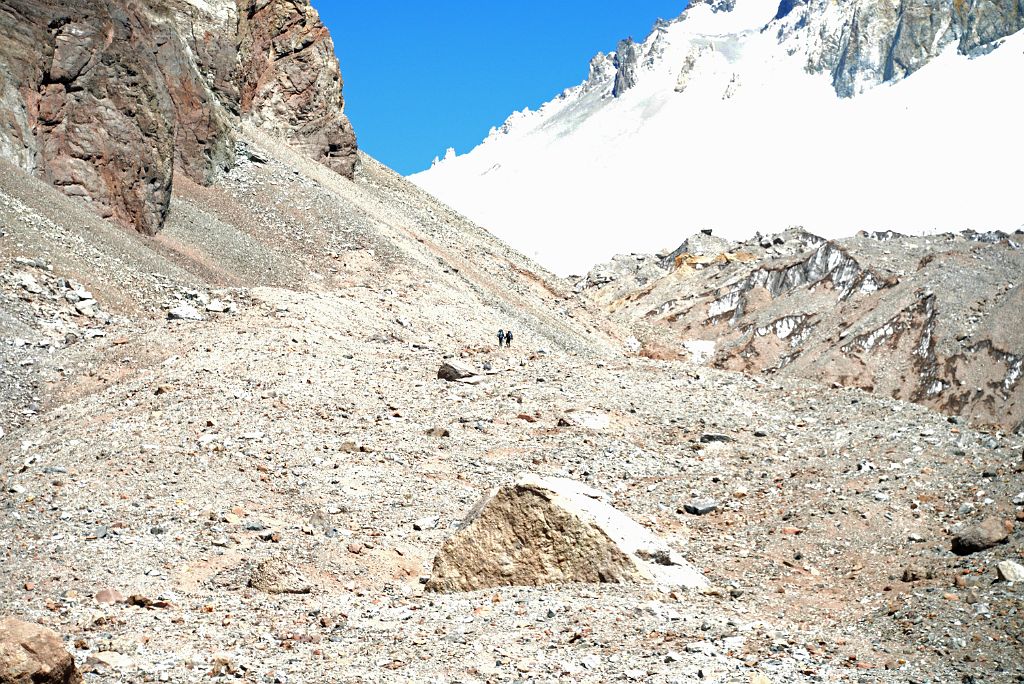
{"x": 916, "y": 573}
{"x": 291, "y": 83}
{"x": 544, "y": 531}
{"x": 31, "y": 654}
{"x": 109, "y": 596}
{"x": 355, "y": 548}
{"x": 97, "y": 119}
{"x": 984, "y": 535}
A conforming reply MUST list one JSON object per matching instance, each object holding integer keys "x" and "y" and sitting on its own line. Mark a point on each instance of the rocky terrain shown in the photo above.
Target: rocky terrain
{"x": 933, "y": 320}
{"x": 258, "y": 444}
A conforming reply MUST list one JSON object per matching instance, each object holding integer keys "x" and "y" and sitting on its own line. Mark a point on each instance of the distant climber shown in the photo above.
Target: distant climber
{"x": 508, "y": 338}
{"x": 501, "y": 337}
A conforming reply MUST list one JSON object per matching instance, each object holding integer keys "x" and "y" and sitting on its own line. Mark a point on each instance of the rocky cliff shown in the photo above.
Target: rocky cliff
{"x": 861, "y": 44}
{"x": 108, "y": 100}
{"x": 931, "y": 320}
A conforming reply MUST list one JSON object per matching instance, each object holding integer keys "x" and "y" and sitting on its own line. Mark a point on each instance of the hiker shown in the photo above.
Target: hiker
{"x": 508, "y": 338}
{"x": 501, "y": 337}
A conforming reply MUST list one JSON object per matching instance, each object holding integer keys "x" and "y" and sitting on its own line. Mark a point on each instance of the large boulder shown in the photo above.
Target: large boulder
{"x": 31, "y": 654}
{"x": 552, "y": 530}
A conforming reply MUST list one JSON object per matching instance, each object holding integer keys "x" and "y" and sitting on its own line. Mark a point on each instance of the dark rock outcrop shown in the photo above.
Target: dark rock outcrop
{"x": 874, "y": 42}
{"x": 627, "y": 57}
{"x": 108, "y": 100}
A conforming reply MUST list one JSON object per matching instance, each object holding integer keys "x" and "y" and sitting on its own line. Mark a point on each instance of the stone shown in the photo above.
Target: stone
{"x": 1019, "y": 499}
{"x": 588, "y": 420}
{"x": 984, "y": 535}
{"x": 454, "y": 369}
{"x": 112, "y": 660}
{"x": 1009, "y": 571}
{"x": 109, "y": 596}
{"x": 32, "y": 654}
{"x": 712, "y": 438}
{"x": 185, "y": 312}
{"x": 916, "y": 573}
{"x": 700, "y": 507}
{"x": 278, "y": 576}
{"x": 551, "y": 530}
{"x": 428, "y": 523}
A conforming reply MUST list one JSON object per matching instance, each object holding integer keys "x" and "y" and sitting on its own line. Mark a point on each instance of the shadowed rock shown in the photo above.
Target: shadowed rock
{"x": 984, "y": 535}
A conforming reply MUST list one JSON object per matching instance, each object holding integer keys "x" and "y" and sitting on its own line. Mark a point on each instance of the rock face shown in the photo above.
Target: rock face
{"x": 545, "y": 531}
{"x": 30, "y": 654}
{"x": 291, "y": 83}
{"x": 108, "y": 100}
{"x": 627, "y": 57}
{"x": 862, "y": 44}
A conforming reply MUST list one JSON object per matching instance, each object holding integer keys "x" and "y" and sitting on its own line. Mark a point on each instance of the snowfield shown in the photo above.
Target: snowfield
{"x": 726, "y": 130}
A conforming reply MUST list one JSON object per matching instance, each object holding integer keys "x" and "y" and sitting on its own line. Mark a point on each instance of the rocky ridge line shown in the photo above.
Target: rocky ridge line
{"x": 899, "y": 319}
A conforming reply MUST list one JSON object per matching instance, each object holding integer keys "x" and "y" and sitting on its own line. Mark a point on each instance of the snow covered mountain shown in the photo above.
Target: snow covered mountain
{"x": 748, "y": 115}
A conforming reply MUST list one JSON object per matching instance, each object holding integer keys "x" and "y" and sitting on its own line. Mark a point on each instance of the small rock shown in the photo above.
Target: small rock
{"x": 453, "y": 369}
{"x": 355, "y": 548}
{"x": 1010, "y": 571}
{"x": 109, "y": 596}
{"x": 712, "y": 438}
{"x": 438, "y": 432}
{"x": 112, "y": 659}
{"x": 185, "y": 312}
{"x": 916, "y": 573}
{"x": 700, "y": 507}
{"x": 428, "y": 523}
{"x": 1019, "y": 499}
{"x": 984, "y": 535}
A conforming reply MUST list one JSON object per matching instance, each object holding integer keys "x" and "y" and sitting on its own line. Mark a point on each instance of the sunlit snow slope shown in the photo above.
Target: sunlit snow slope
{"x": 719, "y": 124}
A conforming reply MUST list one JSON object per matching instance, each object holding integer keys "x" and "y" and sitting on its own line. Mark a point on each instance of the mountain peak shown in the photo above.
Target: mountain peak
{"x": 745, "y": 116}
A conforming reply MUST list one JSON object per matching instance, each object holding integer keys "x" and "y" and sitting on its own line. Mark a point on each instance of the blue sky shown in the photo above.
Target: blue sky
{"x": 423, "y": 76}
